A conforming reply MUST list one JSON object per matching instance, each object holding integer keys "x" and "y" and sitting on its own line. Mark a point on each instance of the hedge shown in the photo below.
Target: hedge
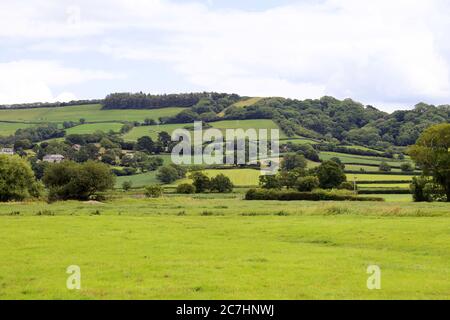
{"x": 262, "y": 194}
{"x": 385, "y": 191}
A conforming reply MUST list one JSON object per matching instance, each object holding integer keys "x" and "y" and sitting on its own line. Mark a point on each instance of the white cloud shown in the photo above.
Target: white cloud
{"x": 31, "y": 80}
{"x": 389, "y": 52}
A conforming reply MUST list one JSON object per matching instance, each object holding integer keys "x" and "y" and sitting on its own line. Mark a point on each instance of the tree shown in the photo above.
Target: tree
{"x": 82, "y": 121}
{"x": 221, "y": 183}
{"x": 307, "y": 184}
{"x": 270, "y": 182}
{"x": 385, "y": 167}
{"x": 330, "y": 175}
{"x": 145, "y": 144}
{"x": 17, "y": 180}
{"x": 167, "y": 174}
{"x": 200, "y": 181}
{"x": 293, "y": 161}
{"x": 431, "y": 153}
{"x": 126, "y": 185}
{"x": 71, "y": 180}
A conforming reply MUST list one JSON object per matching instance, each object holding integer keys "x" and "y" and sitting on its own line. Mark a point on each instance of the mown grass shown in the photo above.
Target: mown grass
{"x": 7, "y": 128}
{"x": 151, "y": 131}
{"x": 378, "y": 177}
{"x": 248, "y": 124}
{"x": 224, "y": 248}
{"x": 356, "y": 159}
{"x": 91, "y": 113}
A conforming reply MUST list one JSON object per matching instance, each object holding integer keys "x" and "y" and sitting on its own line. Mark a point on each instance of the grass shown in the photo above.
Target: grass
{"x": 7, "y": 128}
{"x": 146, "y": 249}
{"x": 248, "y": 124}
{"x": 377, "y": 177}
{"x": 247, "y": 102}
{"x": 299, "y": 141}
{"x": 353, "y": 167}
{"x": 91, "y": 113}
{"x": 239, "y": 177}
{"x": 138, "y": 180}
{"x": 91, "y": 128}
{"x": 151, "y": 131}
{"x": 348, "y": 158}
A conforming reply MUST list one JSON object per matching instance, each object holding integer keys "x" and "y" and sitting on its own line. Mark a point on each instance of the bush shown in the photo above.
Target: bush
{"x": 201, "y": 181}
{"x": 346, "y": 186}
{"x": 307, "y": 184}
{"x": 321, "y": 195}
{"x": 385, "y": 167}
{"x": 186, "y": 188}
{"x": 417, "y": 189}
{"x": 70, "y": 180}
{"x": 330, "y": 175}
{"x": 221, "y": 184}
{"x": 154, "y": 191}
{"x": 17, "y": 180}
{"x": 167, "y": 174}
{"x": 126, "y": 185}
{"x": 406, "y": 167}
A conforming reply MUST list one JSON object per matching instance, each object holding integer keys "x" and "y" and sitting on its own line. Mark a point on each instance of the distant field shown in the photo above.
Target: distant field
{"x": 247, "y": 102}
{"x": 151, "y": 131}
{"x": 352, "y": 167}
{"x": 299, "y": 141}
{"x": 384, "y": 185}
{"x": 91, "y": 128}
{"x": 91, "y": 113}
{"x": 239, "y": 177}
{"x": 248, "y": 124}
{"x": 348, "y": 158}
{"x": 7, "y": 129}
{"x": 138, "y": 180}
{"x": 378, "y": 177}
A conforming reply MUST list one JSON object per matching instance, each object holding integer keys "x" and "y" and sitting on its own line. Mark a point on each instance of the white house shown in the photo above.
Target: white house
{"x": 7, "y": 151}
{"x": 53, "y": 158}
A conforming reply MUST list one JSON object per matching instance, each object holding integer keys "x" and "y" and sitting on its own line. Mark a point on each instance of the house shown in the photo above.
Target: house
{"x": 7, "y": 151}
{"x": 76, "y": 147}
{"x": 53, "y": 158}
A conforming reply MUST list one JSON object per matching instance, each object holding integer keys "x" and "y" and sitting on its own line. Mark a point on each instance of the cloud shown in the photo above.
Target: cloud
{"x": 394, "y": 53}
{"x": 26, "y": 81}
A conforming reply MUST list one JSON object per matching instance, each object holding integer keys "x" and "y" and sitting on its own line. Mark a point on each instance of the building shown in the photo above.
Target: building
{"x": 53, "y": 158}
{"x": 7, "y": 151}
{"x": 76, "y": 147}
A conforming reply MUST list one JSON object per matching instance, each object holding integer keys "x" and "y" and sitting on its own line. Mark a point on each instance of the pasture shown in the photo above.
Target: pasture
{"x": 7, "y": 128}
{"x": 193, "y": 247}
{"x": 91, "y": 113}
{"x": 93, "y": 127}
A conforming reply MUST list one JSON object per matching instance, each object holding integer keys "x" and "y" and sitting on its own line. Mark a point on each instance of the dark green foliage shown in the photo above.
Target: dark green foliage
{"x": 17, "y": 180}
{"x": 406, "y": 167}
{"x": 330, "y": 175}
{"x": 293, "y": 161}
{"x": 385, "y": 167}
{"x": 127, "y": 185}
{"x": 263, "y": 194}
{"x": 201, "y": 181}
{"x": 307, "y": 184}
{"x": 270, "y": 182}
{"x": 221, "y": 184}
{"x": 154, "y": 191}
{"x": 70, "y": 180}
{"x": 185, "y": 188}
{"x": 167, "y": 174}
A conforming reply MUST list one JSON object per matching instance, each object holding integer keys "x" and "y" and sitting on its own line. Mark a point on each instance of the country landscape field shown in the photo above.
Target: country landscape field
{"x": 149, "y": 229}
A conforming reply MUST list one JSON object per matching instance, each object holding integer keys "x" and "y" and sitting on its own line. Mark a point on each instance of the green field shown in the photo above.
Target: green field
{"x": 151, "y": 131}
{"x": 91, "y": 113}
{"x": 247, "y": 102}
{"x": 354, "y": 167}
{"x": 348, "y": 158}
{"x": 248, "y": 124}
{"x": 7, "y": 129}
{"x": 299, "y": 141}
{"x": 239, "y": 177}
{"x": 224, "y": 248}
{"x": 91, "y": 128}
{"x": 138, "y": 180}
{"x": 378, "y": 177}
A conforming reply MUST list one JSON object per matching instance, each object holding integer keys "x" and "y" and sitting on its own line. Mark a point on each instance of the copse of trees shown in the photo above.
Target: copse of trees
{"x": 17, "y": 180}
{"x": 71, "y": 180}
{"x": 171, "y": 173}
{"x": 431, "y": 153}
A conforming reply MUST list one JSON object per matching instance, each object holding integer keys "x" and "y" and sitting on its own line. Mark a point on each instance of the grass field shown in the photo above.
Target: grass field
{"x": 224, "y": 248}
{"x": 91, "y": 113}
{"x": 151, "y": 131}
{"x": 348, "y": 158}
{"x": 91, "y": 128}
{"x": 248, "y": 124}
{"x": 353, "y": 167}
{"x": 247, "y": 102}
{"x": 378, "y": 177}
{"x": 7, "y": 129}
{"x": 138, "y": 180}
{"x": 239, "y": 177}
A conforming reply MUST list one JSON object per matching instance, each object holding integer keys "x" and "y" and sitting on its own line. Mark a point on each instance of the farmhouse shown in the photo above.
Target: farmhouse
{"x": 53, "y": 158}
{"x": 7, "y": 151}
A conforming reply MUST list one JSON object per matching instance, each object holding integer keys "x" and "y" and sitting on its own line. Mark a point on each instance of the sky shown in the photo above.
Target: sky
{"x": 389, "y": 54}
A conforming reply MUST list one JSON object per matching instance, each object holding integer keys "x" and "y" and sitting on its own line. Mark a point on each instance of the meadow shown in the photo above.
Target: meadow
{"x": 93, "y": 127}
{"x": 91, "y": 113}
{"x": 222, "y": 247}
{"x": 8, "y": 128}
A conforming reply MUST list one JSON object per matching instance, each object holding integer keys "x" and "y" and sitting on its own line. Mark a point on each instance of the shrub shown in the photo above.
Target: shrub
{"x": 154, "y": 191}
{"x": 330, "y": 175}
{"x": 346, "y": 186}
{"x": 406, "y": 167}
{"x": 201, "y": 181}
{"x": 385, "y": 167}
{"x": 307, "y": 184}
{"x": 186, "y": 188}
{"x": 417, "y": 189}
{"x": 221, "y": 184}
{"x": 167, "y": 174}
{"x": 126, "y": 185}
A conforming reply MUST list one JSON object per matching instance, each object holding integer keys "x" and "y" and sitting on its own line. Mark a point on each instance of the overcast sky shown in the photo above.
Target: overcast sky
{"x": 388, "y": 53}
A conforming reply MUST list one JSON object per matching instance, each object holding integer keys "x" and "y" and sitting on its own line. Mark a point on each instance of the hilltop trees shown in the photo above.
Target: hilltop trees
{"x": 431, "y": 153}
{"x": 17, "y": 181}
